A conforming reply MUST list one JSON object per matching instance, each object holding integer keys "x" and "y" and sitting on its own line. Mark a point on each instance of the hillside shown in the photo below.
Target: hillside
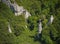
{"x": 37, "y": 28}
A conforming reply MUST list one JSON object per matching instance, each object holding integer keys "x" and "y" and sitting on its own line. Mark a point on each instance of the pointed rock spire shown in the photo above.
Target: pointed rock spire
{"x": 40, "y": 27}
{"x": 51, "y": 19}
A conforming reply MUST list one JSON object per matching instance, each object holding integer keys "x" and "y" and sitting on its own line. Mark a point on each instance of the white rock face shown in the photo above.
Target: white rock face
{"x": 18, "y": 10}
{"x": 40, "y": 27}
{"x": 51, "y": 19}
{"x": 9, "y": 28}
{"x": 27, "y": 15}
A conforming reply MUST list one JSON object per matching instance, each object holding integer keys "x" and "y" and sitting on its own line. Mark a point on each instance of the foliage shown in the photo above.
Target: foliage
{"x": 39, "y": 9}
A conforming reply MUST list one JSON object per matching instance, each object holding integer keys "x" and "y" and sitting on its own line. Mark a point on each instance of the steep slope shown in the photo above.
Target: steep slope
{"x": 43, "y": 9}
{"x": 25, "y": 32}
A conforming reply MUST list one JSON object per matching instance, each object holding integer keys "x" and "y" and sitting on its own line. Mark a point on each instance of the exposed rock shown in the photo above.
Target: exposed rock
{"x": 9, "y": 28}
{"x": 18, "y": 10}
{"x": 40, "y": 27}
{"x": 51, "y": 19}
{"x": 27, "y": 15}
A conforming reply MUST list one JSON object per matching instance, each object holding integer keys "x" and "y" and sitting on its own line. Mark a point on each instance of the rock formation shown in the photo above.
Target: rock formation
{"x": 18, "y": 10}
{"x": 9, "y": 28}
{"x": 40, "y": 27}
{"x": 51, "y": 19}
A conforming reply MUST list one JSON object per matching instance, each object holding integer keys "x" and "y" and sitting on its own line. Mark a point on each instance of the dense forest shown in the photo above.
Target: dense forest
{"x": 39, "y": 9}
